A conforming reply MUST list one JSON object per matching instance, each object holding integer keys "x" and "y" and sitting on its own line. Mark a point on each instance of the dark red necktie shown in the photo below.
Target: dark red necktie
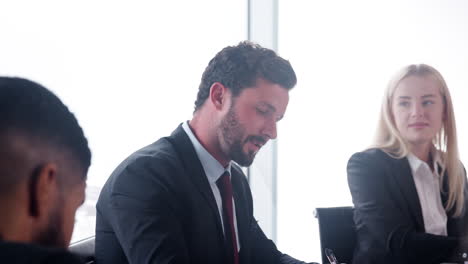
{"x": 225, "y": 188}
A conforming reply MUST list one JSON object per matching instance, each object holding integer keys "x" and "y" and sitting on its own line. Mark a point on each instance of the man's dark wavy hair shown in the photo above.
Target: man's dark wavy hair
{"x": 239, "y": 67}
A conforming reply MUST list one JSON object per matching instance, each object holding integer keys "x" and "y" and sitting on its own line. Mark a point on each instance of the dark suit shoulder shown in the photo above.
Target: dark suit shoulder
{"x": 145, "y": 174}
{"x": 372, "y": 159}
{"x": 161, "y": 151}
{"x": 372, "y": 154}
{"x": 155, "y": 159}
{"x": 370, "y": 168}
{"x": 26, "y": 253}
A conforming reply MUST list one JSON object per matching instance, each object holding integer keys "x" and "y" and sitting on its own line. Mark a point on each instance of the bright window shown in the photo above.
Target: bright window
{"x": 129, "y": 70}
{"x": 344, "y": 52}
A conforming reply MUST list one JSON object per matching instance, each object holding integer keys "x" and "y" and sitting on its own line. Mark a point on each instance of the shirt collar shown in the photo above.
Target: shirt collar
{"x": 213, "y": 169}
{"x": 416, "y": 163}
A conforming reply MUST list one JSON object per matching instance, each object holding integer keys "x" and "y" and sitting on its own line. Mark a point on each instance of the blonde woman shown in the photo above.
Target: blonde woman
{"x": 409, "y": 190}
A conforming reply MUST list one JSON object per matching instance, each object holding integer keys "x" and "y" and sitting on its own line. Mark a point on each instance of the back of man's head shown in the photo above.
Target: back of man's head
{"x": 44, "y": 159}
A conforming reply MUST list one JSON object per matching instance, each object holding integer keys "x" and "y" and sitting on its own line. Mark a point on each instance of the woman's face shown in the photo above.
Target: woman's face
{"x": 418, "y": 109}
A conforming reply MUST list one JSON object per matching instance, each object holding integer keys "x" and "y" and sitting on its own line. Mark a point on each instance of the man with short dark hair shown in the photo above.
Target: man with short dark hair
{"x": 183, "y": 199}
{"x": 44, "y": 159}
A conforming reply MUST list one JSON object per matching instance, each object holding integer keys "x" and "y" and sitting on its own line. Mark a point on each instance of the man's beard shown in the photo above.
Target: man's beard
{"x": 52, "y": 235}
{"x": 232, "y": 133}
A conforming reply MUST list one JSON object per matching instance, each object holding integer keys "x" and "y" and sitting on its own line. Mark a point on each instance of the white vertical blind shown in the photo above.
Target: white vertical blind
{"x": 263, "y": 29}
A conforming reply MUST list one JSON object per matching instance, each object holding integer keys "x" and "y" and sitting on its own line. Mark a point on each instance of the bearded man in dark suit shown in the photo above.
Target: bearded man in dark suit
{"x": 184, "y": 198}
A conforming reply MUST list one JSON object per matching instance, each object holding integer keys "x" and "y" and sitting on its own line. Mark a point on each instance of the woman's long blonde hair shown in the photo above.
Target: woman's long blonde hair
{"x": 389, "y": 139}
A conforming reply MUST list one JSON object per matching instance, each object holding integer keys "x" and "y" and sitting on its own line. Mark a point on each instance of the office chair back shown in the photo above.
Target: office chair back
{"x": 85, "y": 249}
{"x": 337, "y": 232}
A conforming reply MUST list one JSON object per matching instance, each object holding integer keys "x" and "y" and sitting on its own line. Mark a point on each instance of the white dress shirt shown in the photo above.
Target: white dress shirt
{"x": 428, "y": 188}
{"x": 213, "y": 170}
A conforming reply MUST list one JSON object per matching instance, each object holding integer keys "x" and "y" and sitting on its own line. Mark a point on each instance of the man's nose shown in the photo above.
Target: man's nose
{"x": 270, "y": 129}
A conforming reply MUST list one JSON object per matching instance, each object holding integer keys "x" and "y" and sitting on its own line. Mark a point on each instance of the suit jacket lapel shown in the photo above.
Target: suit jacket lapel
{"x": 404, "y": 177}
{"x": 242, "y": 212}
{"x": 452, "y": 229}
{"x": 454, "y": 225}
{"x": 192, "y": 165}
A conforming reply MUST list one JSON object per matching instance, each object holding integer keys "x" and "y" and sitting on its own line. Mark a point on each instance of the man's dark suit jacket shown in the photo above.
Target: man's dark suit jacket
{"x": 158, "y": 207}
{"x": 388, "y": 215}
{"x": 20, "y": 253}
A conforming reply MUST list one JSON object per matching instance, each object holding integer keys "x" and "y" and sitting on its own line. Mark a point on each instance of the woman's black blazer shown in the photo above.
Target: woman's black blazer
{"x": 388, "y": 216}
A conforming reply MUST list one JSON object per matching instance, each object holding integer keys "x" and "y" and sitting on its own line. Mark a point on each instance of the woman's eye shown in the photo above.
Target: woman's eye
{"x": 404, "y": 103}
{"x": 428, "y": 102}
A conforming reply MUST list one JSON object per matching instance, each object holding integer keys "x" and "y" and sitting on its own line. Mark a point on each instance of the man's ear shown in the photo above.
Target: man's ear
{"x": 43, "y": 190}
{"x": 218, "y": 95}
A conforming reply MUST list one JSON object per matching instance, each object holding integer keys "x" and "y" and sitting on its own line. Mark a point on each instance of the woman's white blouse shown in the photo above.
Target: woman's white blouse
{"x": 428, "y": 188}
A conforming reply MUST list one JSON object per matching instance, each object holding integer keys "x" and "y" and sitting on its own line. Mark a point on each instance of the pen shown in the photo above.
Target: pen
{"x": 331, "y": 256}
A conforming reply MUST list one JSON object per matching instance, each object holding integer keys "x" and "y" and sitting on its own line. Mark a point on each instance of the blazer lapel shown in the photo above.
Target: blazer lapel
{"x": 192, "y": 165}
{"x": 454, "y": 225}
{"x": 404, "y": 177}
{"x": 242, "y": 211}
{"x": 444, "y": 192}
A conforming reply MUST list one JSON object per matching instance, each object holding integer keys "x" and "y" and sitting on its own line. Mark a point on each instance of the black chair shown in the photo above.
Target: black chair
{"x": 85, "y": 249}
{"x": 337, "y": 232}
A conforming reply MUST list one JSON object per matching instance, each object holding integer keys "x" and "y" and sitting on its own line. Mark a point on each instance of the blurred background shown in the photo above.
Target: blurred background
{"x": 130, "y": 71}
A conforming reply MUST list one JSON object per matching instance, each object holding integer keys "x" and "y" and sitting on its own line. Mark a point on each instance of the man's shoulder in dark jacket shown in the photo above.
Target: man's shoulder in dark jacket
{"x": 21, "y": 253}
